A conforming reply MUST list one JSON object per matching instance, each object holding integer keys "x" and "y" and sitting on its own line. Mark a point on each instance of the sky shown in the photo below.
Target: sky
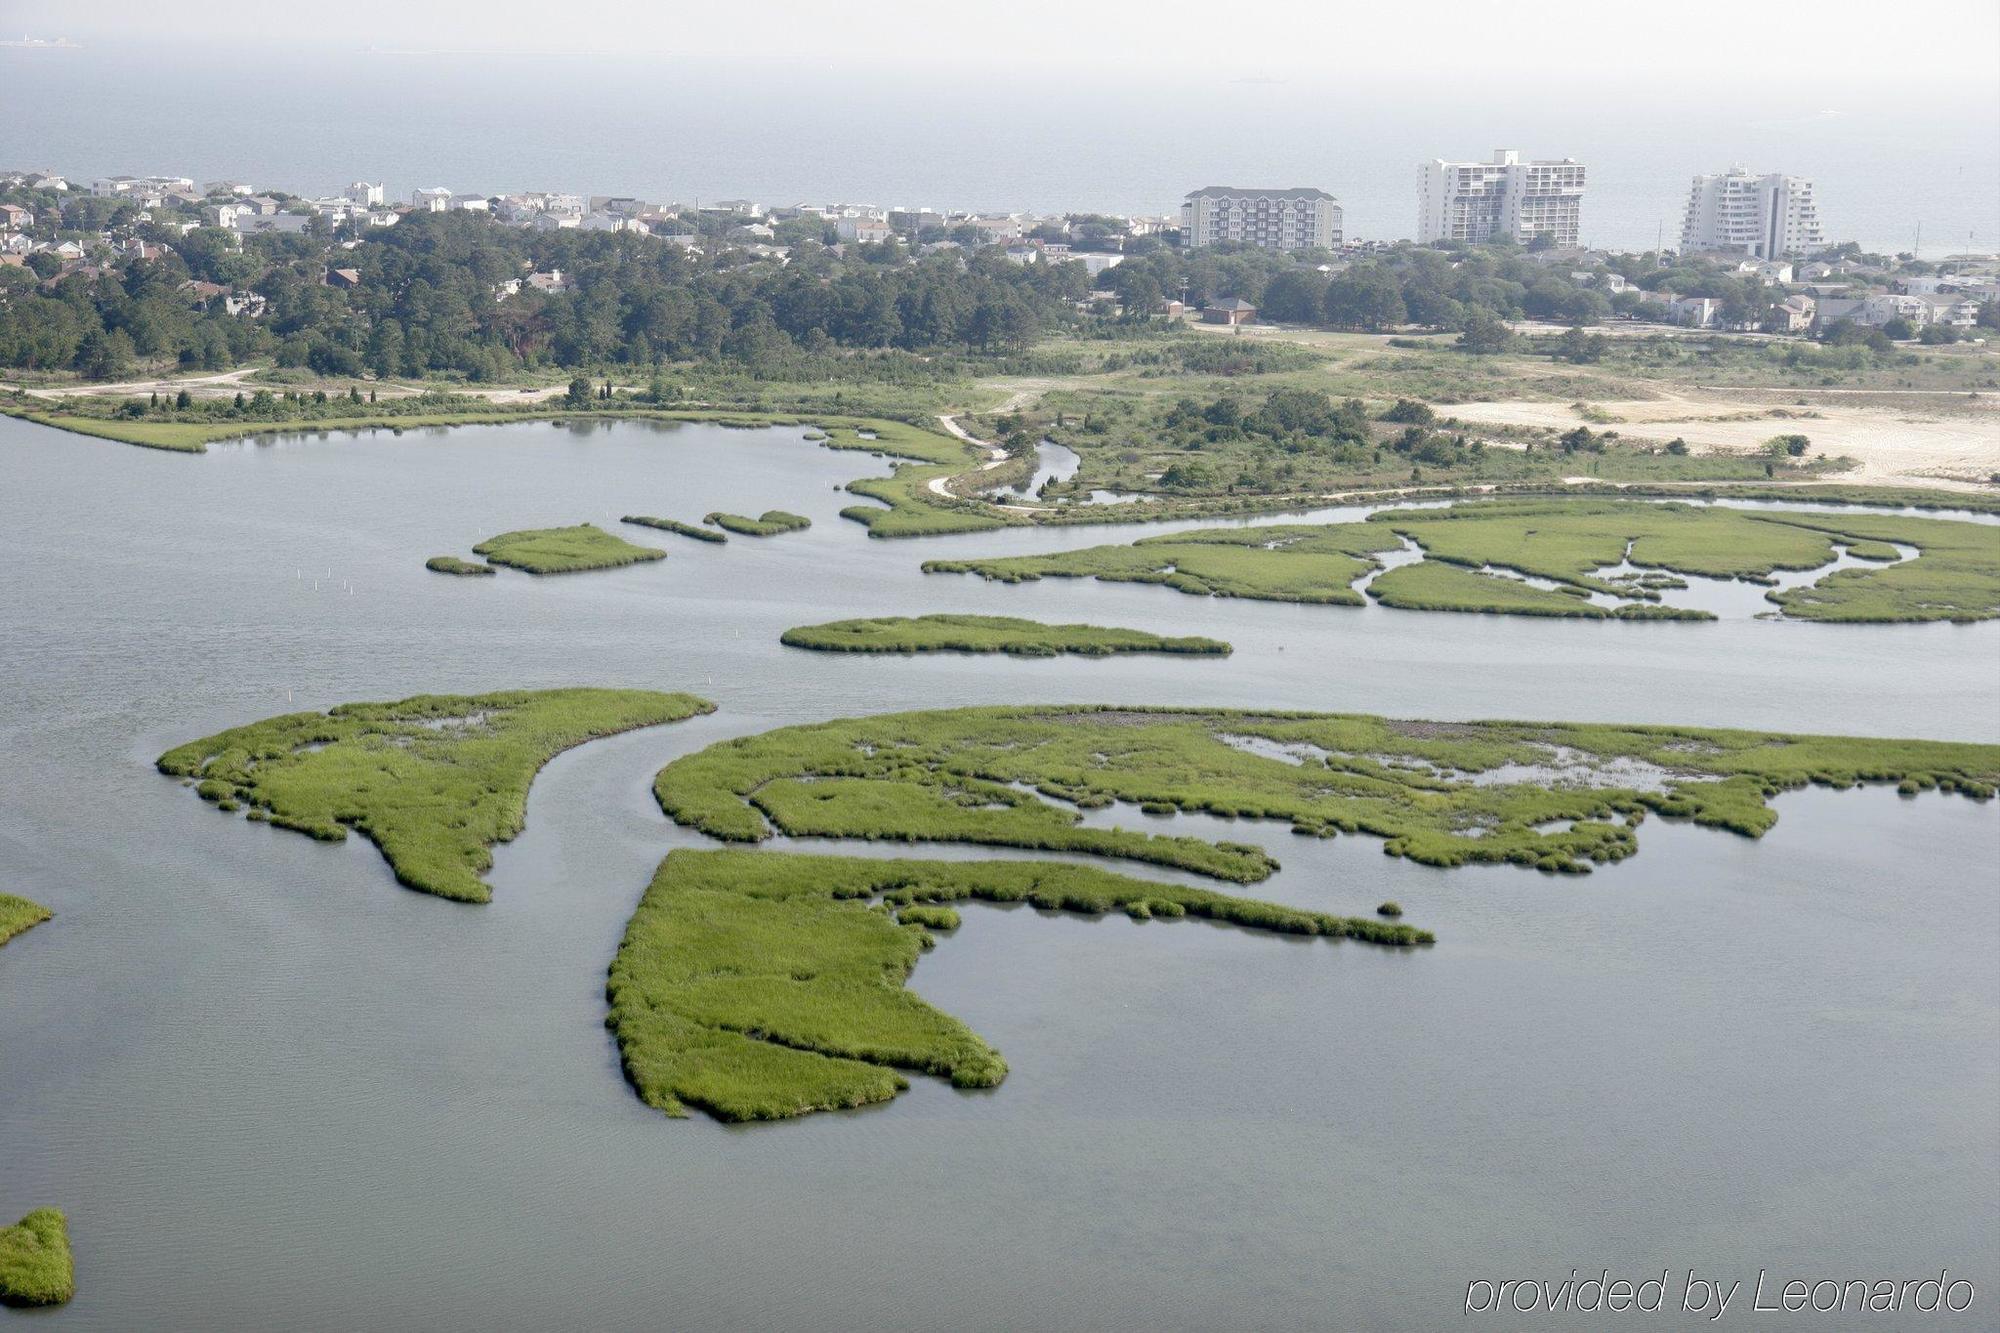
{"x": 1081, "y": 108}
{"x": 1706, "y": 41}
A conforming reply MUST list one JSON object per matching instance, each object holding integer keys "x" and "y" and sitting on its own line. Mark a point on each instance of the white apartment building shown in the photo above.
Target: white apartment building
{"x": 1287, "y": 220}
{"x": 1479, "y": 202}
{"x": 1765, "y": 217}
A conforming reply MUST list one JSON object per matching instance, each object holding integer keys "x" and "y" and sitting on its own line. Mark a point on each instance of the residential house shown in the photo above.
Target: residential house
{"x": 1696, "y": 312}
{"x": 283, "y": 224}
{"x": 365, "y": 194}
{"x": 1232, "y": 310}
{"x": 547, "y": 221}
{"x": 221, "y": 215}
{"x": 604, "y": 221}
{"x": 997, "y": 231}
{"x": 263, "y": 205}
{"x": 434, "y": 200}
{"x": 249, "y": 305}
{"x": 1954, "y": 308}
{"x": 1767, "y": 270}
{"x": 550, "y": 282}
{"x": 1873, "y": 310}
{"x": 13, "y": 217}
{"x": 863, "y": 230}
{"x": 343, "y": 277}
{"x": 472, "y": 203}
{"x": 1795, "y": 313}
{"x": 16, "y": 243}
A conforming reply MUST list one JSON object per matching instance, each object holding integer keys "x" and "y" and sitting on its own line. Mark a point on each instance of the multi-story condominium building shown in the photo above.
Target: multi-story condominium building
{"x": 1476, "y": 202}
{"x": 1766, "y": 217}
{"x": 1298, "y": 219}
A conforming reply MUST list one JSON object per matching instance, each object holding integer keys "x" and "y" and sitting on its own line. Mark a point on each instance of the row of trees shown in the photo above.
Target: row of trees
{"x": 430, "y": 297}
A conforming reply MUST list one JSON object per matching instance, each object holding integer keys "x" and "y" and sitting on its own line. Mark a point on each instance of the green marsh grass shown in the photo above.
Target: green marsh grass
{"x": 768, "y": 524}
{"x": 571, "y": 550}
{"x": 35, "y": 1264}
{"x": 764, "y": 985}
{"x": 676, "y": 527}
{"x": 451, "y": 564}
{"x": 1442, "y": 794}
{"x": 433, "y": 781}
{"x": 18, "y": 914}
{"x": 988, "y": 634}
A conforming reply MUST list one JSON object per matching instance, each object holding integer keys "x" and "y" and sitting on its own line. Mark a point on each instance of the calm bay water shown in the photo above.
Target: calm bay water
{"x": 273, "y": 1089}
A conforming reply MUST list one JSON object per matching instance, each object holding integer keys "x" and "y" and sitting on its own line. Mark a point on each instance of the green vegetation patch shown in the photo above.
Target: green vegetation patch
{"x": 761, "y": 985}
{"x": 434, "y": 781}
{"x": 19, "y": 914}
{"x": 35, "y": 1263}
{"x": 564, "y": 550}
{"x": 1282, "y": 563}
{"x": 1572, "y": 544}
{"x": 1548, "y": 795}
{"x": 1435, "y": 585}
{"x": 1955, "y": 576}
{"x": 767, "y": 524}
{"x": 988, "y": 634}
{"x": 451, "y": 564}
{"x": 676, "y": 527}
{"x": 174, "y": 436}
{"x": 914, "y": 510}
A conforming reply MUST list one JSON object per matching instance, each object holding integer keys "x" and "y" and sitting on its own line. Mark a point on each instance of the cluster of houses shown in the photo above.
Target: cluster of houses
{"x": 1816, "y": 294}
{"x": 1820, "y": 294}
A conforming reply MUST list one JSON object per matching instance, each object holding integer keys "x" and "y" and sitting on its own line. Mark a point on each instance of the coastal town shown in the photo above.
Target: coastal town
{"x": 1765, "y": 262}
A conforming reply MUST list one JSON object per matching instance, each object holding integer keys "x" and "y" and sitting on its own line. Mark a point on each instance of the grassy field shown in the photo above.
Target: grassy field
{"x": 763, "y": 985}
{"x": 676, "y": 527}
{"x": 1956, "y": 575}
{"x": 451, "y": 564}
{"x": 1435, "y": 585}
{"x": 1291, "y": 563}
{"x": 18, "y": 914}
{"x": 914, "y": 510}
{"x": 1442, "y": 794}
{"x": 35, "y": 1264}
{"x": 434, "y": 781}
{"x": 770, "y": 523}
{"x": 570, "y": 550}
{"x": 988, "y": 634}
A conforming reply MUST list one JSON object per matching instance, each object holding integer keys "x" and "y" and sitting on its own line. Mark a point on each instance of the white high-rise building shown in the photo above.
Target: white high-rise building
{"x": 1766, "y": 217}
{"x": 1300, "y": 219}
{"x": 364, "y": 194}
{"x": 1476, "y": 202}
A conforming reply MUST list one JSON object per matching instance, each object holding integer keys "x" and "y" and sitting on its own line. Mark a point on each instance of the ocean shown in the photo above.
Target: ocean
{"x": 1113, "y": 139}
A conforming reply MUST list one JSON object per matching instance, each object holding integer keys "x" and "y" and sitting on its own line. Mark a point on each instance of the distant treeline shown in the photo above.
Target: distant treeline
{"x": 427, "y": 298}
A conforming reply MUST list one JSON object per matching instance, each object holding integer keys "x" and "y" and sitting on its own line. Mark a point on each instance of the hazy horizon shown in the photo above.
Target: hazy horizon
{"x": 681, "y": 130}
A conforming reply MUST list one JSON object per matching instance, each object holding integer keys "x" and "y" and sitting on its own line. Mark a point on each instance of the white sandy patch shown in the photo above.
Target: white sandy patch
{"x": 1921, "y": 444}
